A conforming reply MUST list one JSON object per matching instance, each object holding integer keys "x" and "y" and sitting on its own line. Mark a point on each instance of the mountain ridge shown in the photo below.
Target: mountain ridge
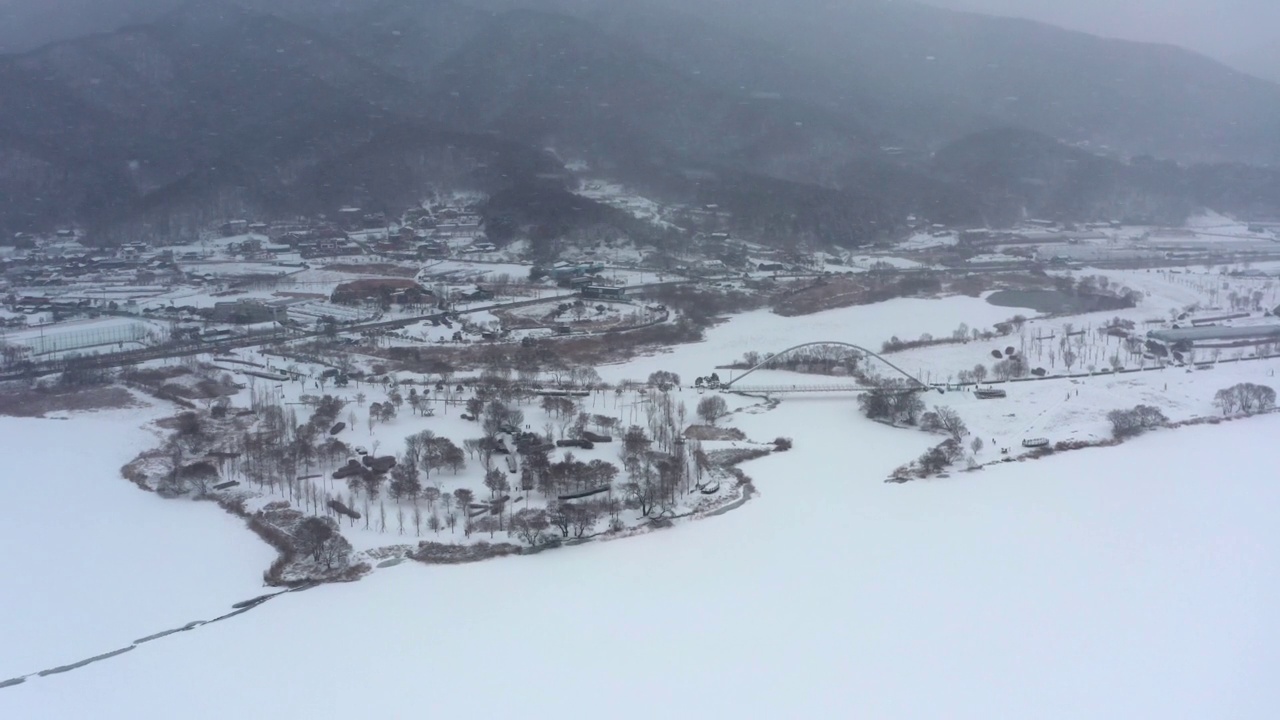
{"x": 215, "y": 103}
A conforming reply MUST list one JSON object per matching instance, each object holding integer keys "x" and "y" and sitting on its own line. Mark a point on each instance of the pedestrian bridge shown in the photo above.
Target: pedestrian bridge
{"x": 913, "y": 384}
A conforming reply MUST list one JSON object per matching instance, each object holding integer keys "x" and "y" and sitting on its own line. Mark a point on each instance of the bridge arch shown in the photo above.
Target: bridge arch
{"x": 773, "y": 358}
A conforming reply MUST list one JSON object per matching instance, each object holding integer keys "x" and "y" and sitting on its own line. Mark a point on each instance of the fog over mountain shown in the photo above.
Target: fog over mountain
{"x": 28, "y": 24}
{"x": 833, "y": 121}
{"x": 1237, "y": 32}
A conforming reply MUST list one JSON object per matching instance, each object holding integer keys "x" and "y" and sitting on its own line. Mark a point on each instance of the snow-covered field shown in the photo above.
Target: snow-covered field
{"x": 1137, "y": 581}
{"x": 764, "y": 332}
{"x": 1130, "y": 582}
{"x": 617, "y": 196}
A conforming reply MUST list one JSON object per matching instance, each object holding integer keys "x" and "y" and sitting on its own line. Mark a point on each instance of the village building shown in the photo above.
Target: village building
{"x": 248, "y": 312}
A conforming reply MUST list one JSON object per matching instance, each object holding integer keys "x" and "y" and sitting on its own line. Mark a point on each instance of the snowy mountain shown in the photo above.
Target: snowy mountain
{"x": 218, "y": 108}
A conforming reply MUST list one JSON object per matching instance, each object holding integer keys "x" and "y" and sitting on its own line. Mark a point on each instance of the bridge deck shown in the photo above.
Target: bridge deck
{"x": 778, "y": 389}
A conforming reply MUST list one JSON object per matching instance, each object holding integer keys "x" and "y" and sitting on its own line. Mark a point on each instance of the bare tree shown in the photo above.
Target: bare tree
{"x": 946, "y": 420}
{"x": 558, "y": 515}
{"x": 979, "y": 373}
{"x": 644, "y": 494}
{"x": 977, "y": 445}
{"x": 530, "y": 526}
{"x": 712, "y": 408}
{"x": 583, "y": 518}
{"x": 496, "y": 480}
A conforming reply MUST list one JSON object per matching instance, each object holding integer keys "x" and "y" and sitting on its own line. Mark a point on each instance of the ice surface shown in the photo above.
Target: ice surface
{"x": 91, "y": 562}
{"x": 1130, "y": 582}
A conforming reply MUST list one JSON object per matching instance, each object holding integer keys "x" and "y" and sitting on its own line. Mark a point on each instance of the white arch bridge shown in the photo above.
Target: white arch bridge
{"x": 913, "y": 384}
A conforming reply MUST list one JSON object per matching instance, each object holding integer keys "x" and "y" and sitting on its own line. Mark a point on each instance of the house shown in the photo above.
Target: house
{"x": 604, "y": 292}
{"x": 1208, "y": 333}
{"x": 564, "y": 271}
{"x": 478, "y": 295}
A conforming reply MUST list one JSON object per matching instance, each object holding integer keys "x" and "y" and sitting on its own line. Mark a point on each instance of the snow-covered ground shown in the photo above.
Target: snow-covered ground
{"x": 1131, "y": 582}
{"x": 617, "y": 196}
{"x": 1136, "y": 581}
{"x": 764, "y": 332}
{"x": 92, "y": 563}
{"x": 868, "y": 262}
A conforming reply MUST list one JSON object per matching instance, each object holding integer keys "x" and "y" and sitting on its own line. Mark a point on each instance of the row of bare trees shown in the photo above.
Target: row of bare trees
{"x": 1246, "y": 399}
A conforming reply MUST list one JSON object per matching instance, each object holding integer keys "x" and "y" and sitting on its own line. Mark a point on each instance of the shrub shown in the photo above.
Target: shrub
{"x": 443, "y": 554}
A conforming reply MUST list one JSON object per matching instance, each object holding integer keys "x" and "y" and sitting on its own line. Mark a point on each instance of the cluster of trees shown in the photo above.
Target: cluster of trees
{"x": 1099, "y": 286}
{"x": 658, "y": 465}
{"x": 537, "y": 526}
{"x": 572, "y": 421}
{"x": 1245, "y": 398}
{"x": 1135, "y": 421}
{"x": 655, "y": 459}
{"x": 423, "y": 453}
{"x": 819, "y": 360}
{"x": 499, "y": 417}
{"x": 320, "y": 538}
{"x": 567, "y": 475}
{"x": 893, "y": 400}
{"x": 962, "y": 334}
{"x": 661, "y": 465}
{"x": 977, "y": 375}
{"x": 1246, "y": 300}
{"x": 1013, "y": 366}
{"x": 664, "y": 380}
{"x": 508, "y": 370}
{"x": 939, "y": 458}
{"x": 383, "y": 412}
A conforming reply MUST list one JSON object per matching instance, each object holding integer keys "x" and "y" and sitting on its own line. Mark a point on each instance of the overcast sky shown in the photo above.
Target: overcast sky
{"x": 1243, "y": 33}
